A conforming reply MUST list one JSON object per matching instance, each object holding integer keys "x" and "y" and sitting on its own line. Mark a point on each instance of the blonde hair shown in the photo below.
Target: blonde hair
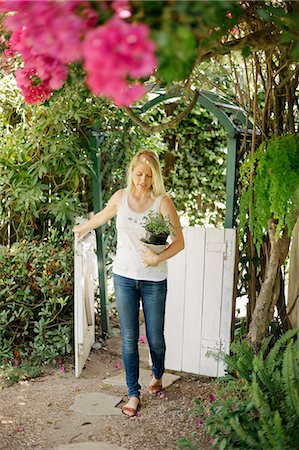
{"x": 151, "y": 159}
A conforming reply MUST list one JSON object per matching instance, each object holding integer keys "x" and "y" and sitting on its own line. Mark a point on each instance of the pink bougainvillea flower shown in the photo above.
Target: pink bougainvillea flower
{"x": 52, "y": 28}
{"x": 112, "y": 53}
{"x": 33, "y": 89}
{"x": 161, "y": 394}
{"x": 142, "y": 340}
{"x": 50, "y": 34}
{"x": 199, "y": 422}
{"x": 118, "y": 365}
{"x": 122, "y": 8}
{"x": 212, "y": 398}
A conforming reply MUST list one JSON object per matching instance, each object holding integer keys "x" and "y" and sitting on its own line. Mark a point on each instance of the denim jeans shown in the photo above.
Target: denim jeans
{"x": 128, "y": 293}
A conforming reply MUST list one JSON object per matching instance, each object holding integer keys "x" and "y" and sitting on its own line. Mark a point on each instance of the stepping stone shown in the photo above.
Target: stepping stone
{"x": 144, "y": 379}
{"x": 89, "y": 446}
{"x": 96, "y": 404}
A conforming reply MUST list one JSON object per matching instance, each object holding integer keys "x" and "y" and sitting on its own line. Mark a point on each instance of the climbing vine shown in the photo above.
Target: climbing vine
{"x": 275, "y": 189}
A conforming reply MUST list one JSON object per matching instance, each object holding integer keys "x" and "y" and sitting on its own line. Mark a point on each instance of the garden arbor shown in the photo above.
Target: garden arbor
{"x": 239, "y": 128}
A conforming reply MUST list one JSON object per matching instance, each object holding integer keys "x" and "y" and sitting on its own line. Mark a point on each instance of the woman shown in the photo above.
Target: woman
{"x": 138, "y": 272}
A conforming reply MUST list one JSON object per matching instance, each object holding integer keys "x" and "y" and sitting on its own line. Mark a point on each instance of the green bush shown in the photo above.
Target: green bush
{"x": 36, "y": 291}
{"x": 259, "y": 404}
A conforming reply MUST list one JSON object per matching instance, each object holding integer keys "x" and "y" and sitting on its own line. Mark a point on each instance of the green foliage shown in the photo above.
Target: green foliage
{"x": 45, "y": 167}
{"x": 275, "y": 188}
{"x": 194, "y": 166}
{"x": 36, "y": 288}
{"x": 157, "y": 224}
{"x": 263, "y": 411}
{"x": 12, "y": 373}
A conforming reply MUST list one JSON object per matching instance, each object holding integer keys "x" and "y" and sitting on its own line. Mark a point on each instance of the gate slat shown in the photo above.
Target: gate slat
{"x": 212, "y": 299}
{"x": 195, "y": 260}
{"x": 174, "y": 316}
{"x": 227, "y": 295}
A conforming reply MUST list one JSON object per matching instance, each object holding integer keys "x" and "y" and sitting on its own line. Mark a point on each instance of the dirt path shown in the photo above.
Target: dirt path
{"x": 35, "y": 414}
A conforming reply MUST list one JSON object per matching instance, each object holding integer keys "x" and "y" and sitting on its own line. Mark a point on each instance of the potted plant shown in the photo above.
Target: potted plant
{"x": 157, "y": 228}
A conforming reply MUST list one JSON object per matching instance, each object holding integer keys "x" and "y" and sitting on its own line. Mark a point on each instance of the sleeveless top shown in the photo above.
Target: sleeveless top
{"x": 128, "y": 262}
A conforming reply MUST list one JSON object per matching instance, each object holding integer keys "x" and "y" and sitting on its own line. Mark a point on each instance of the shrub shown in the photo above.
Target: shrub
{"x": 262, "y": 410}
{"x": 36, "y": 290}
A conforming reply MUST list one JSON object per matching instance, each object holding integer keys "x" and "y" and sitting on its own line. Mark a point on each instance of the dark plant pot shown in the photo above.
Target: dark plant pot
{"x": 155, "y": 239}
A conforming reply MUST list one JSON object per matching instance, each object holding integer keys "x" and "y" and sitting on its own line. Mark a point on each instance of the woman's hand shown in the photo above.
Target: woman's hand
{"x": 149, "y": 258}
{"x": 80, "y": 230}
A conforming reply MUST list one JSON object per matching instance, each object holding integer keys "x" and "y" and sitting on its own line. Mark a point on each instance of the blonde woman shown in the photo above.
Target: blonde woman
{"x": 139, "y": 273}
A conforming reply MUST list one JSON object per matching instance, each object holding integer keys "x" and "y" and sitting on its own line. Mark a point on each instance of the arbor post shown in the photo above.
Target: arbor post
{"x": 231, "y": 165}
{"x": 95, "y": 141}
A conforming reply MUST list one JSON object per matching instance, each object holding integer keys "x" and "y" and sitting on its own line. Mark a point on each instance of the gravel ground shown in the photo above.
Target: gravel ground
{"x": 35, "y": 414}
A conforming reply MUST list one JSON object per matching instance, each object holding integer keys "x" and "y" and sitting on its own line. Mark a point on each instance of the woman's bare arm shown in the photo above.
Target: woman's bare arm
{"x": 101, "y": 217}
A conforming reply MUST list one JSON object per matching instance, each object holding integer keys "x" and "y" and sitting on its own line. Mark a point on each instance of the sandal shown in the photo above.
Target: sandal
{"x": 129, "y": 411}
{"x": 155, "y": 388}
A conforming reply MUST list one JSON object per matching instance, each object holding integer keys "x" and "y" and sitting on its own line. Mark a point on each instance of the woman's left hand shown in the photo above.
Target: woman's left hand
{"x": 149, "y": 258}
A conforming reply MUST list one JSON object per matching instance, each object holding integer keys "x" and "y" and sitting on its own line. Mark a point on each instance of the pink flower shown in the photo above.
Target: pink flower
{"x": 62, "y": 369}
{"x": 161, "y": 394}
{"x": 118, "y": 365}
{"x": 212, "y": 398}
{"x": 33, "y": 89}
{"x": 52, "y": 28}
{"x": 142, "y": 339}
{"x": 112, "y": 53}
{"x": 50, "y": 34}
{"x": 199, "y": 422}
{"x": 122, "y": 8}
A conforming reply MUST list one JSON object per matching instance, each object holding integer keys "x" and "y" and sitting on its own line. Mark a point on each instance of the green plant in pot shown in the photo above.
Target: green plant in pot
{"x": 157, "y": 228}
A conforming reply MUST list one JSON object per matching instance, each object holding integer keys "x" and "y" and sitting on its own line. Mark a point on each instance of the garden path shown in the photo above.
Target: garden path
{"x": 35, "y": 414}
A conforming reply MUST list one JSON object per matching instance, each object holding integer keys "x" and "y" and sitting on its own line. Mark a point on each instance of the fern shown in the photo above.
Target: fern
{"x": 240, "y": 361}
{"x": 291, "y": 378}
{"x": 272, "y": 359}
{"x": 244, "y": 436}
{"x": 265, "y": 379}
{"x": 275, "y": 186}
{"x": 263, "y": 410}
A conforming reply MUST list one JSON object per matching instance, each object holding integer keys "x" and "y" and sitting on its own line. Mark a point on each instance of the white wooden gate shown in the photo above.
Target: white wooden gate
{"x": 86, "y": 283}
{"x": 199, "y": 301}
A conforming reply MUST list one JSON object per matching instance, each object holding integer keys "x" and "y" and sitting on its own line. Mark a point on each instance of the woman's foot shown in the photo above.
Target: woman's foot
{"x": 130, "y": 408}
{"x": 155, "y": 385}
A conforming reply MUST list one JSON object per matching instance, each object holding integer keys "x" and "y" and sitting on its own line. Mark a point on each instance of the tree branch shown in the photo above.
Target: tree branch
{"x": 162, "y": 126}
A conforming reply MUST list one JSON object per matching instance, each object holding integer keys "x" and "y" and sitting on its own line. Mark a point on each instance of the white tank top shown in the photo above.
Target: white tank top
{"x": 128, "y": 262}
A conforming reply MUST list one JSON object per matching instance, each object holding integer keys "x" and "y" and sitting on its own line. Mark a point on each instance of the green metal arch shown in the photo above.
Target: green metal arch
{"x": 237, "y": 125}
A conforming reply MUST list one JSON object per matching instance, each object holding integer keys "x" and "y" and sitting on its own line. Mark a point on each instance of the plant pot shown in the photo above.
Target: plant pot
{"x": 155, "y": 239}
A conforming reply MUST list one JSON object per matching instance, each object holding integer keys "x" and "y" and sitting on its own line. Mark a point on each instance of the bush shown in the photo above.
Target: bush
{"x": 259, "y": 405}
{"x": 36, "y": 291}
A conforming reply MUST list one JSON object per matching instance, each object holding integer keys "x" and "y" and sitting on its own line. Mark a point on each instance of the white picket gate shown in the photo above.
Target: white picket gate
{"x": 199, "y": 301}
{"x": 86, "y": 283}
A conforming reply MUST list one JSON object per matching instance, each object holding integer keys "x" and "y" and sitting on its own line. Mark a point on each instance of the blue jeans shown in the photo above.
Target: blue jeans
{"x": 128, "y": 293}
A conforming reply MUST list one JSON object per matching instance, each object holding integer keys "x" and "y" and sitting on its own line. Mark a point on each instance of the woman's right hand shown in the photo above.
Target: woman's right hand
{"x": 80, "y": 230}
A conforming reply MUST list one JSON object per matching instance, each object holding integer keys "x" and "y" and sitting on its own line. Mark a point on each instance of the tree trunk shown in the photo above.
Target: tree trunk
{"x": 270, "y": 289}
